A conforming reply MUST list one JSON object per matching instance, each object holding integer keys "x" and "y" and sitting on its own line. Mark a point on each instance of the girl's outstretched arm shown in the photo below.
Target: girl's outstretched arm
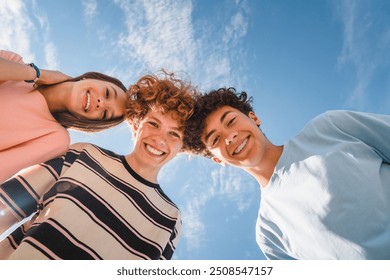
{"x": 12, "y": 67}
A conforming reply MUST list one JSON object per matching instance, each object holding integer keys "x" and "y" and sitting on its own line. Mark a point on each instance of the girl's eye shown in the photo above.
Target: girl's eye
{"x": 104, "y": 114}
{"x": 107, "y": 93}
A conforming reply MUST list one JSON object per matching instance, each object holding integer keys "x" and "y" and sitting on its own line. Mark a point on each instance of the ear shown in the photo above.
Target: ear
{"x": 134, "y": 129}
{"x": 219, "y": 161}
{"x": 134, "y": 126}
{"x": 254, "y": 118}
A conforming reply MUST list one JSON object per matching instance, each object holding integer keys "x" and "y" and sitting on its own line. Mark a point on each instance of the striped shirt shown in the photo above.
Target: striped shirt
{"x": 91, "y": 205}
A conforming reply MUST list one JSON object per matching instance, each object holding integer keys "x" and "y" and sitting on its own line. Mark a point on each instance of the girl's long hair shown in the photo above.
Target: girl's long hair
{"x": 67, "y": 120}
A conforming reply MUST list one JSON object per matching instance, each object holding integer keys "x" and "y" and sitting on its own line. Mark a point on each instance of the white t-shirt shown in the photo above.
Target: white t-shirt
{"x": 329, "y": 197}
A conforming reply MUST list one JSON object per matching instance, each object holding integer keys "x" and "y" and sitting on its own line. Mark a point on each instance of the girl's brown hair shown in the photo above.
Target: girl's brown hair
{"x": 67, "y": 120}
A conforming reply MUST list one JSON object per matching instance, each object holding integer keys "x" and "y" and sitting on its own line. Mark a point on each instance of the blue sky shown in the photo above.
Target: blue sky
{"x": 296, "y": 58}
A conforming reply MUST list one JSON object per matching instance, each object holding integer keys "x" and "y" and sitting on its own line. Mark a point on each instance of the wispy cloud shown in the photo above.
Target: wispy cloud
{"x": 238, "y": 25}
{"x": 49, "y": 48}
{"x": 162, "y": 34}
{"x": 159, "y": 34}
{"x": 16, "y": 28}
{"x": 19, "y": 30}
{"x": 90, "y": 10}
{"x": 213, "y": 183}
{"x": 365, "y": 45}
{"x": 226, "y": 184}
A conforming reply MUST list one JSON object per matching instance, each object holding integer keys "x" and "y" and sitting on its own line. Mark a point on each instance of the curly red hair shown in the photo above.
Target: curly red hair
{"x": 164, "y": 93}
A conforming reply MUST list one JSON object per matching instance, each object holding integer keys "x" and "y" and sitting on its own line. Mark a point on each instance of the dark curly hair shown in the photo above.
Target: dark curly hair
{"x": 164, "y": 93}
{"x": 206, "y": 104}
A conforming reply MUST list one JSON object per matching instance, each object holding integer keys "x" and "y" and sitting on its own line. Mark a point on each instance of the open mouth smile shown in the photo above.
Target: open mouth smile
{"x": 88, "y": 102}
{"x": 154, "y": 151}
{"x": 241, "y": 146}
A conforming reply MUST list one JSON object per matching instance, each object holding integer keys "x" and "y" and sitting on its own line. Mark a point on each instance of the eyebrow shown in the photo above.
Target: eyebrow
{"x": 115, "y": 93}
{"x": 115, "y": 97}
{"x": 221, "y": 120}
{"x": 171, "y": 127}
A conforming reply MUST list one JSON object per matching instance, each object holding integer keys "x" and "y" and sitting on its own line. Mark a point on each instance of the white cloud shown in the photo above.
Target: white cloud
{"x": 162, "y": 34}
{"x": 236, "y": 29}
{"x": 199, "y": 183}
{"x": 16, "y": 28}
{"x": 49, "y": 49}
{"x": 51, "y": 57}
{"x": 367, "y": 50}
{"x": 235, "y": 185}
{"x": 19, "y": 31}
{"x": 159, "y": 33}
{"x": 90, "y": 10}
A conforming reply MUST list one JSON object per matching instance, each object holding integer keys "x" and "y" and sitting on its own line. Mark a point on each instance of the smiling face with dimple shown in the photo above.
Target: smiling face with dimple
{"x": 157, "y": 140}
{"x": 234, "y": 137}
{"x": 96, "y": 100}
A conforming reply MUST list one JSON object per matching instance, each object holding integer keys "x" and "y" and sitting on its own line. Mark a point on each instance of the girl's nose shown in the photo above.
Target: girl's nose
{"x": 99, "y": 103}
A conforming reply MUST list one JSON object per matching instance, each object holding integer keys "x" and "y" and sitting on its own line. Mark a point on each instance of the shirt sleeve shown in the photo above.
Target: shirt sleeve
{"x": 173, "y": 241}
{"x": 371, "y": 129}
{"x": 38, "y": 150}
{"x": 22, "y": 193}
{"x": 270, "y": 244}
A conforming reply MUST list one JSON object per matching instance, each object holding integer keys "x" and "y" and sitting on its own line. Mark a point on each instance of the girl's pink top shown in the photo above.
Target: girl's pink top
{"x": 29, "y": 134}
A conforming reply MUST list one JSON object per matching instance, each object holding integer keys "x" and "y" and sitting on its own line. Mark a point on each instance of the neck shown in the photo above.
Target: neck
{"x": 148, "y": 172}
{"x": 263, "y": 171}
{"x": 56, "y": 96}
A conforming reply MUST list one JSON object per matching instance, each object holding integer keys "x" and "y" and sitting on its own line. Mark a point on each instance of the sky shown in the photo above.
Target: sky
{"x": 297, "y": 59}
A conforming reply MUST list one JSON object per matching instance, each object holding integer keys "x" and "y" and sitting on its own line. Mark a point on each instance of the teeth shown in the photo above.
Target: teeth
{"x": 239, "y": 148}
{"x": 88, "y": 102}
{"x": 154, "y": 151}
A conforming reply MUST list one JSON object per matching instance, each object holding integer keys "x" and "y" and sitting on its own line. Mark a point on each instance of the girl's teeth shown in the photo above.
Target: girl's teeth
{"x": 154, "y": 151}
{"x": 88, "y": 102}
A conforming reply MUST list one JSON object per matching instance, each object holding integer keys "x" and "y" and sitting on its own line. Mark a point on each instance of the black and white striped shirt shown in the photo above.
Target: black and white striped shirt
{"x": 91, "y": 205}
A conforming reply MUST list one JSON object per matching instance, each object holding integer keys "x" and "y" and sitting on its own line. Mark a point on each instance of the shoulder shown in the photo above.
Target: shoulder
{"x": 330, "y": 116}
{"x": 347, "y": 120}
{"x": 81, "y": 146}
{"x": 337, "y": 116}
{"x": 79, "y": 150}
{"x": 94, "y": 150}
{"x": 329, "y": 119}
{"x": 62, "y": 138}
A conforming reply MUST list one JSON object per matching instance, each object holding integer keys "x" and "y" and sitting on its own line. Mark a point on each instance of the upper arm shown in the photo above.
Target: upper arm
{"x": 20, "y": 195}
{"x": 371, "y": 129}
{"x": 173, "y": 240}
{"x": 33, "y": 152}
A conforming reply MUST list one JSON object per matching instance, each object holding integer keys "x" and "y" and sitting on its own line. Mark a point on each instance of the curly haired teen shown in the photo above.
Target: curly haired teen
{"x": 325, "y": 193}
{"x": 95, "y": 204}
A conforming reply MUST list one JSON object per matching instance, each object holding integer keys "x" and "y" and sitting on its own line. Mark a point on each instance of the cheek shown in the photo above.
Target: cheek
{"x": 119, "y": 108}
{"x": 176, "y": 145}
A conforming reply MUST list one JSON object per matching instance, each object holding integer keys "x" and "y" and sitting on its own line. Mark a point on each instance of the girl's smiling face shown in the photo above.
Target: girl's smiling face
{"x": 96, "y": 100}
